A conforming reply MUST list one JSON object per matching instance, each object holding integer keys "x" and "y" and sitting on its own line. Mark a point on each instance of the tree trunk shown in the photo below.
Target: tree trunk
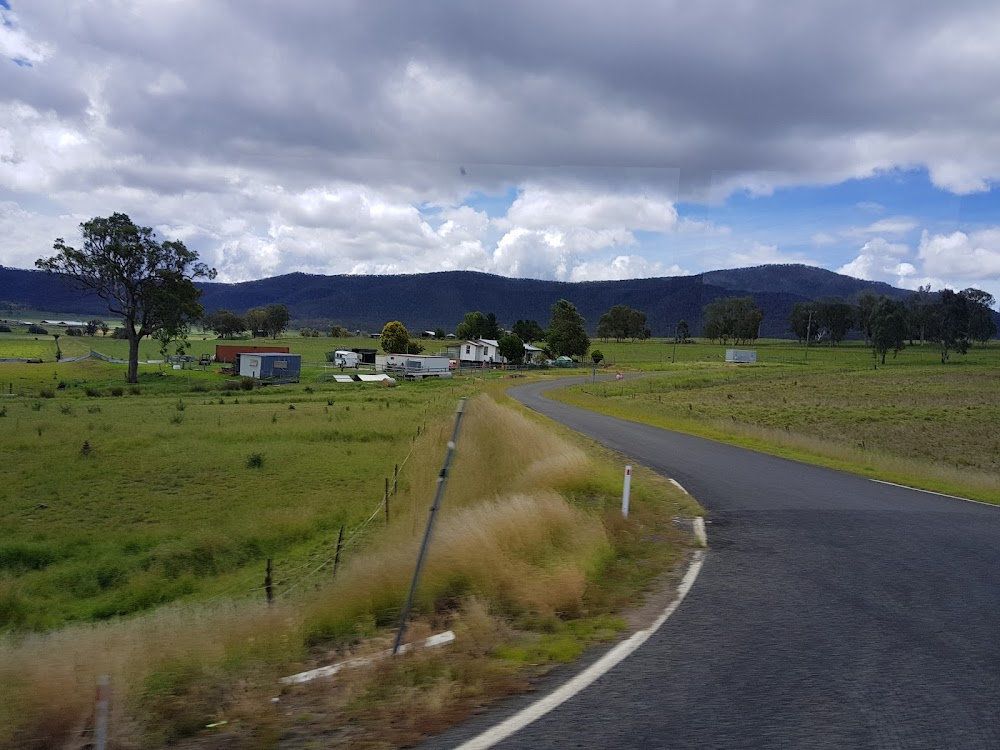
{"x": 133, "y": 354}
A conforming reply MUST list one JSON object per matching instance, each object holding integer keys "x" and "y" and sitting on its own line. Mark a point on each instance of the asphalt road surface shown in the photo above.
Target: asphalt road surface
{"x": 831, "y": 612}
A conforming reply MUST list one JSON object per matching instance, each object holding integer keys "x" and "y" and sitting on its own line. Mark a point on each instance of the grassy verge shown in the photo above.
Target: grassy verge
{"x": 531, "y": 562}
{"x": 925, "y": 425}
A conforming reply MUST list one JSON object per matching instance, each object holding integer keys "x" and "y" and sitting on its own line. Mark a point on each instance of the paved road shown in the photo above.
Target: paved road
{"x": 832, "y": 612}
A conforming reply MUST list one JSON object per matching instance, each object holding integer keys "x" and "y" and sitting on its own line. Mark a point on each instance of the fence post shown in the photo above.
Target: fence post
{"x": 395, "y": 478}
{"x": 340, "y": 543}
{"x": 101, "y": 714}
{"x": 387, "y": 500}
{"x": 442, "y": 480}
{"x": 268, "y": 588}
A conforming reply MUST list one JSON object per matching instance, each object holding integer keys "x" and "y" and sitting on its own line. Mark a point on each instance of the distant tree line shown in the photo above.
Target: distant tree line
{"x": 267, "y": 322}
{"x": 951, "y": 320}
{"x": 735, "y": 319}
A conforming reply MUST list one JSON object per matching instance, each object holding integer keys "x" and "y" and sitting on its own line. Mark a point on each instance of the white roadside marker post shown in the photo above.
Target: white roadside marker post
{"x": 626, "y": 490}
{"x": 101, "y": 713}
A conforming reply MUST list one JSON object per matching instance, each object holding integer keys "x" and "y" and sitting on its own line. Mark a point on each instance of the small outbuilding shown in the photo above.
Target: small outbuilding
{"x": 271, "y": 367}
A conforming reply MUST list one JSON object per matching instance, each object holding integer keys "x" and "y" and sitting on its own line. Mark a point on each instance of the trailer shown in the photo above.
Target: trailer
{"x": 344, "y": 358}
{"x": 270, "y": 367}
{"x": 415, "y": 366}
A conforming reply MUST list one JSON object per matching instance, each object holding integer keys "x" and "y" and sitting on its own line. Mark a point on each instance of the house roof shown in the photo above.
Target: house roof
{"x": 530, "y": 348}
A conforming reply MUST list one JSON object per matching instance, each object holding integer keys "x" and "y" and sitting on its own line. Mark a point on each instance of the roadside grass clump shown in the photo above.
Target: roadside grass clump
{"x": 92, "y": 392}
{"x": 255, "y": 461}
{"x": 117, "y": 391}
{"x": 176, "y": 419}
{"x": 135, "y": 390}
{"x": 47, "y": 393}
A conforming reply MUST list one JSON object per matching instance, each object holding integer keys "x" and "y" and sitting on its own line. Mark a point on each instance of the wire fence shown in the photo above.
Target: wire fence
{"x": 353, "y": 536}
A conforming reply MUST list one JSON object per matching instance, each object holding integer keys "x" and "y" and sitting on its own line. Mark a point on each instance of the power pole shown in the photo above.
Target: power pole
{"x": 808, "y": 333}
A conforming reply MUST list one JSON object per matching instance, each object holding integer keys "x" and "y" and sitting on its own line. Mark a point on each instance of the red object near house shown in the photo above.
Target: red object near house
{"x": 228, "y": 353}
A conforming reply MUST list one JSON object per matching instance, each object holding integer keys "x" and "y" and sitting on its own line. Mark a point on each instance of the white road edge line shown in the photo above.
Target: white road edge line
{"x": 678, "y": 485}
{"x": 560, "y": 695}
{"x": 932, "y": 492}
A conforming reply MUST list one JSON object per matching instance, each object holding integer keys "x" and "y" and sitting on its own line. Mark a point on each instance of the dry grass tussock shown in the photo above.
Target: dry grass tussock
{"x": 509, "y": 550}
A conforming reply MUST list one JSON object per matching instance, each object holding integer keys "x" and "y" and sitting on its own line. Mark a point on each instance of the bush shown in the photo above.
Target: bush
{"x": 4, "y": 329}
{"x": 255, "y": 461}
{"x": 232, "y": 385}
{"x": 247, "y": 384}
{"x": 37, "y": 330}
{"x": 65, "y": 409}
{"x": 92, "y": 392}
{"x": 71, "y": 331}
{"x": 198, "y": 388}
{"x": 597, "y": 356}
{"x": 117, "y": 391}
{"x": 176, "y": 418}
{"x": 135, "y": 390}
{"x": 47, "y": 393}
{"x": 119, "y": 333}
{"x": 181, "y": 406}
{"x": 3, "y": 411}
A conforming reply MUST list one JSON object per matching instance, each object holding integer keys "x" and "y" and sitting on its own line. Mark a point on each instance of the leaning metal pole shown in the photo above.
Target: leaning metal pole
{"x": 442, "y": 479}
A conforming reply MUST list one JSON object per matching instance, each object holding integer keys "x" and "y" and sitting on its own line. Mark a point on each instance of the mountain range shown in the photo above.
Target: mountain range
{"x": 440, "y": 300}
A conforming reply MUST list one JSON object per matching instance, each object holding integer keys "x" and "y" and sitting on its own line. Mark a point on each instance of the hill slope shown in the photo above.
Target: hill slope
{"x": 429, "y": 301}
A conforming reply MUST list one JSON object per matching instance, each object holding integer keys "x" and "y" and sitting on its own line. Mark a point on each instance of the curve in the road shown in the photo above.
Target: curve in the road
{"x": 832, "y": 612}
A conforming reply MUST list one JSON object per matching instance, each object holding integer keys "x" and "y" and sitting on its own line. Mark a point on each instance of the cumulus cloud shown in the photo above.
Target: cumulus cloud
{"x": 881, "y": 260}
{"x": 973, "y": 255}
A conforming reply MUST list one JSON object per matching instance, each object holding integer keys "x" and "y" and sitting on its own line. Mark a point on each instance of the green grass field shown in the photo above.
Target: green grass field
{"x": 161, "y": 505}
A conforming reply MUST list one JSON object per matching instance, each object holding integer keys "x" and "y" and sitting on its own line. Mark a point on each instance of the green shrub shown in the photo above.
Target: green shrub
{"x": 37, "y": 330}
{"x": 117, "y": 391}
{"x": 3, "y": 411}
{"x": 119, "y": 333}
{"x": 92, "y": 392}
{"x": 180, "y": 406}
{"x": 93, "y": 410}
{"x": 72, "y": 331}
{"x": 36, "y": 406}
{"x": 176, "y": 418}
{"x": 232, "y": 385}
{"x": 247, "y": 384}
{"x": 255, "y": 461}
{"x": 5, "y": 329}
{"x": 47, "y": 393}
{"x": 135, "y": 390}
{"x": 65, "y": 409}
{"x": 199, "y": 388}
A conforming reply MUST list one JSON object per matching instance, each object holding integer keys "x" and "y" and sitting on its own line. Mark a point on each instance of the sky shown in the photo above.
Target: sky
{"x": 559, "y": 139}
